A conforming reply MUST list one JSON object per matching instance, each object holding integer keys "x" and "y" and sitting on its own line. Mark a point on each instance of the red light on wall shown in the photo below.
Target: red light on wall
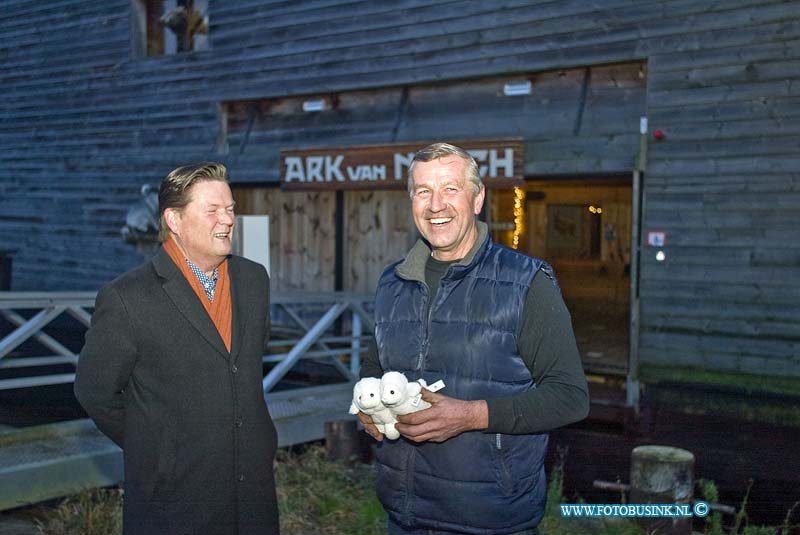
{"x": 659, "y": 135}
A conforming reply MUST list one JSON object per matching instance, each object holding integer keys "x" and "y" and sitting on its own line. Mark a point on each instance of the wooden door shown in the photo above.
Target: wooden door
{"x": 302, "y": 235}
{"x": 378, "y": 230}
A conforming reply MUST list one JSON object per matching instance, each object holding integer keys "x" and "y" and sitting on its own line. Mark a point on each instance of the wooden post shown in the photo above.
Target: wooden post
{"x": 343, "y": 442}
{"x": 662, "y": 475}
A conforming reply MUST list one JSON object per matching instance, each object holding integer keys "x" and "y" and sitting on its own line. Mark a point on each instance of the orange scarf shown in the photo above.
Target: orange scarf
{"x": 220, "y": 309}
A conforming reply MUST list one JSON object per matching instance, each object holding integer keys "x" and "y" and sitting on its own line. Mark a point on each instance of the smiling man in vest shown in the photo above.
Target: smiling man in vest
{"x": 172, "y": 368}
{"x": 490, "y": 322}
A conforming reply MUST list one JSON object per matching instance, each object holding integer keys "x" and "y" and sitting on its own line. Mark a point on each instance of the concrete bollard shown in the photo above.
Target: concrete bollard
{"x": 662, "y": 475}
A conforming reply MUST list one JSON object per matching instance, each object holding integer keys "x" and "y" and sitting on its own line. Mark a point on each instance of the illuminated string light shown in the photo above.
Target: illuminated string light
{"x": 519, "y": 221}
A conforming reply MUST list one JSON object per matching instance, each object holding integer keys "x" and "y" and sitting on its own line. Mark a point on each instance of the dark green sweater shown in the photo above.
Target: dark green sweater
{"x": 547, "y": 345}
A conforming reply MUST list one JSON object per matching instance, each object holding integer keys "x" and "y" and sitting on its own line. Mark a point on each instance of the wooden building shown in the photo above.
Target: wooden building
{"x": 671, "y": 125}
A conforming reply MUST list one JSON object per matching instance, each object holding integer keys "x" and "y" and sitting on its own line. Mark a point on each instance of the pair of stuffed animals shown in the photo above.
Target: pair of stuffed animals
{"x": 386, "y": 398}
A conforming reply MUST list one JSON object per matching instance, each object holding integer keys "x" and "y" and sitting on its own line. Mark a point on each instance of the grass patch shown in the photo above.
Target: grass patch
{"x": 314, "y": 497}
{"x": 740, "y": 526}
{"x": 318, "y": 497}
{"x": 94, "y": 512}
{"x": 326, "y": 498}
{"x": 554, "y": 524}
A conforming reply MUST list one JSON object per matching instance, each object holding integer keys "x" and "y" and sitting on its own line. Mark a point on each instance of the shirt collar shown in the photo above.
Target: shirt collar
{"x": 209, "y": 284}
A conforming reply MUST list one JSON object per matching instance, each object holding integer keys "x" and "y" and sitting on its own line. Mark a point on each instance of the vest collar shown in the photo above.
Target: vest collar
{"x": 412, "y": 267}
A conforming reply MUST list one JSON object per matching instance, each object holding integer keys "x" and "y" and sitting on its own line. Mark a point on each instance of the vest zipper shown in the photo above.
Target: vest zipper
{"x": 420, "y": 362}
{"x": 424, "y": 349}
{"x": 424, "y": 352}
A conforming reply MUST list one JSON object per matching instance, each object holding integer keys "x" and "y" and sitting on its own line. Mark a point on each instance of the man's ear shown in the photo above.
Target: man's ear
{"x": 172, "y": 218}
{"x": 479, "y": 197}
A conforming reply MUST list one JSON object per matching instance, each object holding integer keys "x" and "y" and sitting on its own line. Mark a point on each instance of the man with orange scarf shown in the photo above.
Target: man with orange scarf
{"x": 171, "y": 371}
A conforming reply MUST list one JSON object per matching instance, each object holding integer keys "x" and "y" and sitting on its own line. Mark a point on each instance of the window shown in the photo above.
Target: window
{"x": 163, "y": 27}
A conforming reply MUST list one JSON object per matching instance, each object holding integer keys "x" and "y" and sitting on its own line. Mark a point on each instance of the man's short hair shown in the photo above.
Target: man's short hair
{"x": 441, "y": 150}
{"x": 175, "y": 190}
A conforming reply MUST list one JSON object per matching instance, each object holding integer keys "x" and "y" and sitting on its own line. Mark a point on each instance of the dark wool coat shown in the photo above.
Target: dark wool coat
{"x": 155, "y": 376}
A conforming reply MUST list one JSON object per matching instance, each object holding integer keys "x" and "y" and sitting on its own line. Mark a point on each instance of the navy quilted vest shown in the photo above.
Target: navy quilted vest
{"x": 476, "y": 482}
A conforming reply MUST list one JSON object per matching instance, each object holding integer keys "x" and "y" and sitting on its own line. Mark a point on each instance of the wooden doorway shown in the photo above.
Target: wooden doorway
{"x": 582, "y": 227}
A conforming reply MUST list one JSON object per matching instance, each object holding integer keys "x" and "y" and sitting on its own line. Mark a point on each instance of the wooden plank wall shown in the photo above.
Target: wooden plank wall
{"x": 581, "y": 120}
{"x": 302, "y": 241}
{"x": 379, "y": 230}
{"x": 725, "y": 186}
{"x": 85, "y": 123}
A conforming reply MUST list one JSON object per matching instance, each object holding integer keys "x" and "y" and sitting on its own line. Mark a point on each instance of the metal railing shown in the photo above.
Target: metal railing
{"x": 46, "y": 307}
{"x": 57, "y": 459}
{"x": 349, "y": 309}
{"x": 334, "y": 327}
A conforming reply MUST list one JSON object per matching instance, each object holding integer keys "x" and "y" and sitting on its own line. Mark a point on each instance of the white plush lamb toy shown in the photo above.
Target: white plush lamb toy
{"x": 367, "y": 399}
{"x": 400, "y": 396}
